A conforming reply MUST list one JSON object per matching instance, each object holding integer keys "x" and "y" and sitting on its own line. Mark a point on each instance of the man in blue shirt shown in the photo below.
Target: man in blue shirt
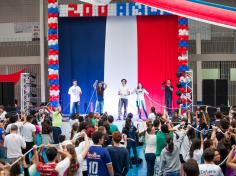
{"x": 98, "y": 158}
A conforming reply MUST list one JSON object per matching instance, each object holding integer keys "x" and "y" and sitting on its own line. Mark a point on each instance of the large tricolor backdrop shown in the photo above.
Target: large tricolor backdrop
{"x": 146, "y": 45}
{"x": 111, "y": 48}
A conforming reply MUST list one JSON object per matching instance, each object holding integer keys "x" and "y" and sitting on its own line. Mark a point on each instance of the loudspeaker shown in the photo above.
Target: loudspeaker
{"x": 8, "y": 93}
{"x": 221, "y": 92}
{"x": 215, "y": 92}
{"x": 208, "y": 92}
{"x": 1, "y": 96}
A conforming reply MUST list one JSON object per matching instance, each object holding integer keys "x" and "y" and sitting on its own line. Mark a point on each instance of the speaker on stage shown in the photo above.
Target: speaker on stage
{"x": 221, "y": 92}
{"x": 1, "y": 96}
{"x": 208, "y": 92}
{"x": 215, "y": 92}
{"x": 7, "y": 93}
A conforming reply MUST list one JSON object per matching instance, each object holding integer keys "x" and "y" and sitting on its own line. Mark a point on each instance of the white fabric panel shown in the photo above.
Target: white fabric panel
{"x": 120, "y": 61}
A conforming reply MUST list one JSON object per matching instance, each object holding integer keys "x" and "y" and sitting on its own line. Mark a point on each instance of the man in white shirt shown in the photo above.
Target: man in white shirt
{"x": 14, "y": 143}
{"x": 123, "y": 92}
{"x": 75, "y": 93}
{"x": 14, "y": 120}
{"x": 2, "y": 113}
{"x": 209, "y": 167}
{"x": 28, "y": 133}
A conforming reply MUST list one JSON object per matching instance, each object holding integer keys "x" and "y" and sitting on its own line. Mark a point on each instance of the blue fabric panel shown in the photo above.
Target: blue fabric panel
{"x": 81, "y": 56}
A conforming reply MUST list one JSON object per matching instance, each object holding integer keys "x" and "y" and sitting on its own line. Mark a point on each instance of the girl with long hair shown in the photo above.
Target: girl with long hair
{"x": 131, "y": 132}
{"x": 140, "y": 101}
{"x": 169, "y": 159}
{"x": 74, "y": 163}
{"x": 196, "y": 150}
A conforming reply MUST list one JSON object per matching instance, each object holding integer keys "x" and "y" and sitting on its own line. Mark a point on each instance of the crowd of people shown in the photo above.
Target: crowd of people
{"x": 196, "y": 144}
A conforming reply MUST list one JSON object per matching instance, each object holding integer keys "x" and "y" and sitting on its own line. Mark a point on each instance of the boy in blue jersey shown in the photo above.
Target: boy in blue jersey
{"x": 98, "y": 158}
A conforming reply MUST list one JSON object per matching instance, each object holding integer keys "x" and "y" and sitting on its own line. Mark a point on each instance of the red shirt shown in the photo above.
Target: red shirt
{"x": 47, "y": 169}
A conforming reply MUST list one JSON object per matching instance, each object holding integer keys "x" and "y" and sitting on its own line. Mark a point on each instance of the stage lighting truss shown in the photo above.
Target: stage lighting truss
{"x": 28, "y": 91}
{"x": 189, "y": 90}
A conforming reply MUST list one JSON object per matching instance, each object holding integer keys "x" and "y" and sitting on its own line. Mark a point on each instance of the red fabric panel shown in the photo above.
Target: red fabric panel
{"x": 157, "y": 55}
{"x": 194, "y": 10}
{"x": 14, "y": 77}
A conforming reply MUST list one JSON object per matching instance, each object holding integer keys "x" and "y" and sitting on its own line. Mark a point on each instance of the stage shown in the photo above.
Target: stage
{"x": 108, "y": 43}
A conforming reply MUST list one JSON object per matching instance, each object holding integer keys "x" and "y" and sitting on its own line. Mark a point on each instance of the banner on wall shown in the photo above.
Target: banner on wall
{"x": 97, "y": 2}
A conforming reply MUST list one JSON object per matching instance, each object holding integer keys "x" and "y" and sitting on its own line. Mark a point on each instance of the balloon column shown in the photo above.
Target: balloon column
{"x": 53, "y": 64}
{"x": 183, "y": 92}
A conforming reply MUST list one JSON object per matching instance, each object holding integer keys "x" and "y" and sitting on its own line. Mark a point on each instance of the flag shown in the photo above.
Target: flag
{"x": 140, "y": 49}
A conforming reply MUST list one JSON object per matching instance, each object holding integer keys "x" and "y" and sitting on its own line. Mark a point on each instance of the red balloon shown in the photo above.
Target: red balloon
{"x": 52, "y": 15}
{"x": 183, "y": 100}
{"x": 52, "y": 1}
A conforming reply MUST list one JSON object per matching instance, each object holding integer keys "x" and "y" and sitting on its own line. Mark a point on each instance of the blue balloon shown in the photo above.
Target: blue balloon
{"x": 54, "y": 47}
{"x": 53, "y": 10}
{"x": 183, "y": 43}
{"x": 183, "y": 85}
{"x": 52, "y": 31}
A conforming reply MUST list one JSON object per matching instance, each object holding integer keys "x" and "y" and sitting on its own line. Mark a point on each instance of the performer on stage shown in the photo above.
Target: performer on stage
{"x": 168, "y": 95}
{"x": 140, "y": 101}
{"x": 99, "y": 86}
{"x": 123, "y": 92}
{"x": 75, "y": 93}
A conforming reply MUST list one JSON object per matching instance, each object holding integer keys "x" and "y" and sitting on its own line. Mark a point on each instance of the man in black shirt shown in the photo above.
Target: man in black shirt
{"x": 168, "y": 96}
{"x": 119, "y": 155}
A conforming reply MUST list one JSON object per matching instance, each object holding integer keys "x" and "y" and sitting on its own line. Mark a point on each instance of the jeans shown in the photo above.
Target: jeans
{"x": 99, "y": 106}
{"x": 174, "y": 173}
{"x": 74, "y": 108}
{"x": 150, "y": 160}
{"x": 140, "y": 103}
{"x": 56, "y": 132}
{"x": 122, "y": 102}
{"x": 132, "y": 144}
{"x": 157, "y": 165}
{"x": 169, "y": 105}
{"x": 29, "y": 145}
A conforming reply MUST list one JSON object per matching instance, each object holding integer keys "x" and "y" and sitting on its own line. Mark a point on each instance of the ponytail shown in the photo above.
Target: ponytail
{"x": 170, "y": 144}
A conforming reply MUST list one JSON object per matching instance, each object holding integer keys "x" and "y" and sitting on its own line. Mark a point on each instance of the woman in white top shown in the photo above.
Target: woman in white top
{"x": 140, "y": 101}
{"x": 150, "y": 150}
{"x": 196, "y": 150}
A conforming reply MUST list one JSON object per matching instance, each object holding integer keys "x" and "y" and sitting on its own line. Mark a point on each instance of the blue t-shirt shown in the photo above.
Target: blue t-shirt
{"x": 1, "y": 133}
{"x": 97, "y": 160}
{"x": 100, "y": 93}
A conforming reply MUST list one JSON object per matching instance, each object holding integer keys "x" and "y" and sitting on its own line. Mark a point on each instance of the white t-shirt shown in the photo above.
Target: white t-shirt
{"x": 197, "y": 155}
{"x": 140, "y": 94}
{"x": 152, "y": 116}
{"x": 74, "y": 93}
{"x": 18, "y": 124}
{"x": 62, "y": 166}
{"x": 150, "y": 141}
{"x": 124, "y": 92}
{"x": 2, "y": 115}
{"x": 210, "y": 169}
{"x": 14, "y": 142}
{"x": 27, "y": 132}
{"x": 80, "y": 159}
{"x": 79, "y": 149}
{"x": 185, "y": 147}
